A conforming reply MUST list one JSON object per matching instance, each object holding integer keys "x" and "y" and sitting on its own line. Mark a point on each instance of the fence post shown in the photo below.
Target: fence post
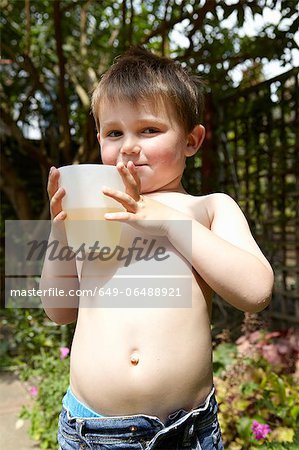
{"x": 209, "y": 168}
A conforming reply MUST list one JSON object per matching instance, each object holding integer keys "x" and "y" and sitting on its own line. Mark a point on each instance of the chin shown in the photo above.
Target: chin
{"x": 145, "y": 189}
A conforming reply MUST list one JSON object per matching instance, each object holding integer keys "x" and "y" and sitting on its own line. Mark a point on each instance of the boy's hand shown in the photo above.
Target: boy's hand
{"x": 56, "y": 194}
{"x": 141, "y": 212}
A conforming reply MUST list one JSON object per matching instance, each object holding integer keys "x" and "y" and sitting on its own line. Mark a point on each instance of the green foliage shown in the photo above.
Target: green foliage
{"x": 26, "y": 332}
{"x": 250, "y": 389}
{"x": 51, "y": 378}
{"x": 31, "y": 347}
{"x": 224, "y": 355}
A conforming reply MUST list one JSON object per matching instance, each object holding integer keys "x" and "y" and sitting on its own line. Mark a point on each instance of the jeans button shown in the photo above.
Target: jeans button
{"x": 133, "y": 428}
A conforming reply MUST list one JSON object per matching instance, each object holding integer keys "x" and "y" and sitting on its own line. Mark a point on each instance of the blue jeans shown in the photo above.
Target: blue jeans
{"x": 193, "y": 430}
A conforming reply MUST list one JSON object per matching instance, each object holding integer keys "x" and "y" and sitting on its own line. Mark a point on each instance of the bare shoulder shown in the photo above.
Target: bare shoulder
{"x": 217, "y": 199}
{"x": 219, "y": 203}
{"x": 225, "y": 214}
{"x": 193, "y": 206}
{"x": 212, "y": 206}
{"x": 203, "y": 208}
{"x": 229, "y": 223}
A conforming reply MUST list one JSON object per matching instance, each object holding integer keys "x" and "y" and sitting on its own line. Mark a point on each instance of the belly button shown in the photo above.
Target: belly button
{"x": 134, "y": 359}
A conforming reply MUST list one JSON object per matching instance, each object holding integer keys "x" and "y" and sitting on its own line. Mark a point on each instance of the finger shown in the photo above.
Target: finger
{"x": 119, "y": 216}
{"x": 53, "y": 185}
{"x": 60, "y": 217}
{"x": 132, "y": 169}
{"x": 129, "y": 181}
{"x": 55, "y": 202}
{"x": 123, "y": 198}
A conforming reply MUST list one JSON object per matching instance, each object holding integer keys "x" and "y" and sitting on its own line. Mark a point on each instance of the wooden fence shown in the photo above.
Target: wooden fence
{"x": 258, "y": 156}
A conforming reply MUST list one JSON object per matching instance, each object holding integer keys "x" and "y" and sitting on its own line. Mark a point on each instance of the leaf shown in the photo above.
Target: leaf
{"x": 223, "y": 357}
{"x": 248, "y": 388}
{"x": 241, "y": 404}
{"x": 278, "y": 386}
{"x": 244, "y": 426}
{"x": 295, "y": 412}
{"x": 282, "y": 434}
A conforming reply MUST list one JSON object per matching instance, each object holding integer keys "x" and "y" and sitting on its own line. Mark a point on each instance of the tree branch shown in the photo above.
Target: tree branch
{"x": 132, "y": 14}
{"x": 83, "y": 35}
{"x": 81, "y": 92}
{"x": 15, "y": 190}
{"x": 167, "y": 25}
{"x": 164, "y": 32}
{"x": 28, "y": 66}
{"x": 24, "y": 144}
{"x": 197, "y": 23}
{"x": 63, "y": 109}
{"x": 28, "y": 33}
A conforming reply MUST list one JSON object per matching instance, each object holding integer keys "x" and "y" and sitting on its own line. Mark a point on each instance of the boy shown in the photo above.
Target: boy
{"x": 141, "y": 378}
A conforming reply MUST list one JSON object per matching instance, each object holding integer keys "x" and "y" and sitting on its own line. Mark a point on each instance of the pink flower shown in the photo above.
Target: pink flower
{"x": 33, "y": 391}
{"x": 64, "y": 351}
{"x": 260, "y": 430}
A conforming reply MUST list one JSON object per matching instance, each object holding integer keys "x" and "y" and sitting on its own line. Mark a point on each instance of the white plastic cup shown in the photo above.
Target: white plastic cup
{"x": 85, "y": 205}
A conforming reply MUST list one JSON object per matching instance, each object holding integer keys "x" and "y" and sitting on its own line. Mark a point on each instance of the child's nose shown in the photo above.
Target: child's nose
{"x": 130, "y": 148}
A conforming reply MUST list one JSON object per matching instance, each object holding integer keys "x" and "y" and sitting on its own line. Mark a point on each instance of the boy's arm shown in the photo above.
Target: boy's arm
{"x": 227, "y": 257}
{"x": 59, "y": 274}
{"x": 59, "y": 277}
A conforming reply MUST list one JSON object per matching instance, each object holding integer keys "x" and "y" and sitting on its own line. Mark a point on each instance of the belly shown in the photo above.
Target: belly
{"x": 142, "y": 360}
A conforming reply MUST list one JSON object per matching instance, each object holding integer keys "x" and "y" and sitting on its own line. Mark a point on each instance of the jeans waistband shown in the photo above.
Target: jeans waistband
{"x": 83, "y": 415}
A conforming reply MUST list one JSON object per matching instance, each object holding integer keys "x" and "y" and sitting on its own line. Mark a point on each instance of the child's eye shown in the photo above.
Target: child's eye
{"x": 114, "y": 133}
{"x": 150, "y": 130}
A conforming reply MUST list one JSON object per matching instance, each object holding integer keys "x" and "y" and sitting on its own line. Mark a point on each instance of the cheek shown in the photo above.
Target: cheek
{"x": 108, "y": 156}
{"x": 167, "y": 150}
{"x": 165, "y": 155}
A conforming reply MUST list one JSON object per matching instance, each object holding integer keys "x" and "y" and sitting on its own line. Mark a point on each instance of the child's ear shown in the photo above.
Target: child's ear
{"x": 195, "y": 139}
{"x": 98, "y": 138}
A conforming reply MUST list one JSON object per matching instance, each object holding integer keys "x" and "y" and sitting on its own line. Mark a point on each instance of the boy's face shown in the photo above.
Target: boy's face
{"x": 147, "y": 136}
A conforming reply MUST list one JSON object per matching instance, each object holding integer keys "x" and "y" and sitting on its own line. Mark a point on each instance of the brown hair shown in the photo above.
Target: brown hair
{"x": 139, "y": 75}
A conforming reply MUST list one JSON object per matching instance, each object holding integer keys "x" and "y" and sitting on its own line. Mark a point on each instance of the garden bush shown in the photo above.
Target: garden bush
{"x": 37, "y": 350}
{"x": 257, "y": 391}
{"x": 25, "y": 332}
{"x": 49, "y": 380}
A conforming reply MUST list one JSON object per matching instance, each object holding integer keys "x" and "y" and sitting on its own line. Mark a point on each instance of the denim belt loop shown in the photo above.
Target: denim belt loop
{"x": 189, "y": 433}
{"x": 79, "y": 426}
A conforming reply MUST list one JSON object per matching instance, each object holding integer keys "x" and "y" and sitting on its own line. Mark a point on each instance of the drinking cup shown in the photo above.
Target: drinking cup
{"x": 85, "y": 205}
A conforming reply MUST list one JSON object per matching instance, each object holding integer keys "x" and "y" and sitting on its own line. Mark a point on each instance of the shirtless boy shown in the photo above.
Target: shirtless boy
{"x": 141, "y": 378}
